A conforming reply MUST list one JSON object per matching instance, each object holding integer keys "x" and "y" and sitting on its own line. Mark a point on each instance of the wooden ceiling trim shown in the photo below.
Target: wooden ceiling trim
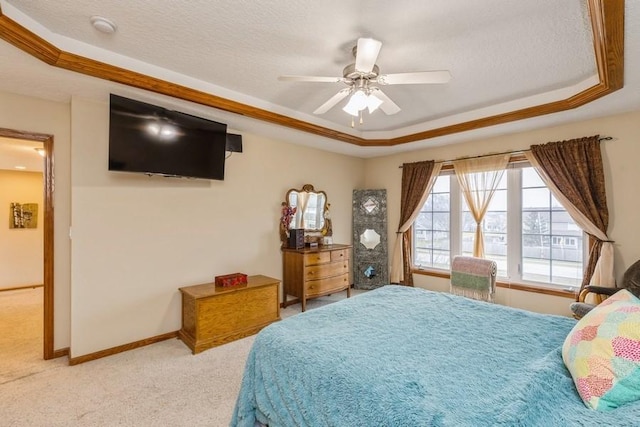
{"x": 607, "y": 21}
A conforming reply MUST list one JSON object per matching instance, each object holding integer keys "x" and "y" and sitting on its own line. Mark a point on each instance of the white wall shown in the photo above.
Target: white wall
{"x": 21, "y": 250}
{"x": 622, "y": 174}
{"x": 35, "y": 115}
{"x": 137, "y": 239}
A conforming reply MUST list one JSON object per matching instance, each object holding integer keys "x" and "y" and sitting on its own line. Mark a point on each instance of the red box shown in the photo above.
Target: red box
{"x": 229, "y": 280}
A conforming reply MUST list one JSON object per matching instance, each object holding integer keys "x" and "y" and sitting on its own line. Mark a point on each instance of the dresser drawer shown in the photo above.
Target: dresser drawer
{"x": 315, "y": 272}
{"x": 326, "y": 270}
{"x": 328, "y": 285}
{"x": 317, "y": 258}
{"x": 339, "y": 255}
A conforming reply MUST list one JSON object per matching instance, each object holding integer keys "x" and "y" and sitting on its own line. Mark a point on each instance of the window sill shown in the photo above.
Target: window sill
{"x": 525, "y": 287}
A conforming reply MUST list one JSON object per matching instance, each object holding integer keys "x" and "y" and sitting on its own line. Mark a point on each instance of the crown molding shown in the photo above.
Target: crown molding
{"x": 607, "y": 23}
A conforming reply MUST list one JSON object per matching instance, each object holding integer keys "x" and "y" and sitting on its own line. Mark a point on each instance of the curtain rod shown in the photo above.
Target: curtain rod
{"x": 603, "y": 138}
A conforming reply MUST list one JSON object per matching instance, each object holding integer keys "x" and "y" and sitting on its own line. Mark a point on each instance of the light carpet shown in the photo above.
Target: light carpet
{"x": 21, "y": 336}
{"x": 160, "y": 384}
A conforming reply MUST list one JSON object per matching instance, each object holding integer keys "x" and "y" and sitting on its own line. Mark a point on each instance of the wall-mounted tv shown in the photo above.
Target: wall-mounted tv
{"x": 153, "y": 140}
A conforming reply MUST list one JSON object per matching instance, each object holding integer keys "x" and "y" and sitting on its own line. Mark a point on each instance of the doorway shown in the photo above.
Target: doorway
{"x": 47, "y": 225}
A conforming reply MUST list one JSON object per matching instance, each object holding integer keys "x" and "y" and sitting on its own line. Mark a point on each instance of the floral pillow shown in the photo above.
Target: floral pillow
{"x": 602, "y": 352}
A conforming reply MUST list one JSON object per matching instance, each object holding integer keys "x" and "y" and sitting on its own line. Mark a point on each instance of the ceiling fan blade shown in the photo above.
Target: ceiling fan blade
{"x": 366, "y": 54}
{"x": 332, "y": 101}
{"x": 388, "y": 106}
{"x": 419, "y": 77}
{"x": 314, "y": 79}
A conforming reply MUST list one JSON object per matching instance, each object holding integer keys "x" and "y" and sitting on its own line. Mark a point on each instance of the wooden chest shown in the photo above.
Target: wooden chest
{"x": 212, "y": 315}
{"x": 310, "y": 273}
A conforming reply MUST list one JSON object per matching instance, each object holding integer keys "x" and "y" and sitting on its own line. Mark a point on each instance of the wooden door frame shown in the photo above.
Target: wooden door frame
{"x": 48, "y": 188}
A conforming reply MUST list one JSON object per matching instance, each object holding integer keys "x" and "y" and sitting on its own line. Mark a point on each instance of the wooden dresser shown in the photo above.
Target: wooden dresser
{"x": 212, "y": 315}
{"x": 313, "y": 272}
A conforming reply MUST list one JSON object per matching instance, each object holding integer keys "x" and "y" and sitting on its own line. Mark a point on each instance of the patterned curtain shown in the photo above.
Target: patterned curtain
{"x": 574, "y": 173}
{"x": 417, "y": 180}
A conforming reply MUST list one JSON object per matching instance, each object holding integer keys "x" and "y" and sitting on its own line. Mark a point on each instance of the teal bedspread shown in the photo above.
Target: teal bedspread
{"x": 399, "y": 356}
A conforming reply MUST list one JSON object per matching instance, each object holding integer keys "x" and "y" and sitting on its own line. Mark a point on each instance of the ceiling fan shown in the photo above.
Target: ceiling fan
{"x": 362, "y": 79}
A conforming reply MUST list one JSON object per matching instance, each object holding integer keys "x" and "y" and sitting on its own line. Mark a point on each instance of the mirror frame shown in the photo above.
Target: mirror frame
{"x": 327, "y": 229}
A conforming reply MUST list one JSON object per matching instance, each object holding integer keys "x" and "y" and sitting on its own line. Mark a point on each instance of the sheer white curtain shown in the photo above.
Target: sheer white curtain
{"x": 303, "y": 200}
{"x": 479, "y": 177}
{"x": 603, "y": 274}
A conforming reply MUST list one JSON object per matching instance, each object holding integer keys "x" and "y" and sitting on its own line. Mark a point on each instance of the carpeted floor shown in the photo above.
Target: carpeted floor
{"x": 21, "y": 338}
{"x": 160, "y": 384}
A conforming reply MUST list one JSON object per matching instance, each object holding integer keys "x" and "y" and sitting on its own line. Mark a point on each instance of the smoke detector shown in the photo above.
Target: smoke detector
{"x": 103, "y": 25}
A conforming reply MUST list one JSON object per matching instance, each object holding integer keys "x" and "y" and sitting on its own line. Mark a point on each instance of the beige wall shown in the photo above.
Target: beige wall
{"x": 21, "y": 250}
{"x": 53, "y": 118}
{"x": 622, "y": 175}
{"x": 137, "y": 239}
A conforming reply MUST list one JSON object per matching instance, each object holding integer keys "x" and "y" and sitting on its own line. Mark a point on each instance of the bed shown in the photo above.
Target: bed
{"x": 400, "y": 356}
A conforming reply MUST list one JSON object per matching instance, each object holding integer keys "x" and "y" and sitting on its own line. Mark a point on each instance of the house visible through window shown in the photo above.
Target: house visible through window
{"x": 431, "y": 229}
{"x": 526, "y": 231}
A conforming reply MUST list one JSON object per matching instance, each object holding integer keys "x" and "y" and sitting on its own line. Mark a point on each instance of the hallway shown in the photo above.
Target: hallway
{"x": 21, "y": 333}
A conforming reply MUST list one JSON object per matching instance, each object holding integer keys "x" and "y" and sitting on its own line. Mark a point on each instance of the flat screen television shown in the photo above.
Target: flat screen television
{"x": 153, "y": 140}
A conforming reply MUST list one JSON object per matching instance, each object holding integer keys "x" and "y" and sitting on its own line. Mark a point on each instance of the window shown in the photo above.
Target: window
{"x": 431, "y": 230}
{"x": 494, "y": 228}
{"x": 526, "y": 231}
{"x": 551, "y": 241}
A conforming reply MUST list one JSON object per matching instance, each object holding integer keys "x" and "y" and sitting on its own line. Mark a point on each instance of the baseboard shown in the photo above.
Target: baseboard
{"x": 61, "y": 352}
{"x": 121, "y": 348}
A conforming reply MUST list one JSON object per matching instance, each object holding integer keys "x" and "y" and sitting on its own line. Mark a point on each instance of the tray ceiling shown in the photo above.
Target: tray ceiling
{"x": 509, "y": 61}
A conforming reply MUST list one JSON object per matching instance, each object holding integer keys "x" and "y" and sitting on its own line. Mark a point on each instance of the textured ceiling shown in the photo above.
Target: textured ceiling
{"x": 502, "y": 54}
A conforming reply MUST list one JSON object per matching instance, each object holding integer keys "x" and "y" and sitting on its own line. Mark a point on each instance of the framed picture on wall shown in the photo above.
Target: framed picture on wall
{"x": 23, "y": 215}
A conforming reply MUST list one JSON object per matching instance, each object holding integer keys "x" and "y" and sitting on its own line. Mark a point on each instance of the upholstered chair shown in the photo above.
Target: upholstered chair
{"x": 630, "y": 281}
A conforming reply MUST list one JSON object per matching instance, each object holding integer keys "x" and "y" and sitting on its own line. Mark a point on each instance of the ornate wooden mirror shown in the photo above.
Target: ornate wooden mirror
{"x": 306, "y": 208}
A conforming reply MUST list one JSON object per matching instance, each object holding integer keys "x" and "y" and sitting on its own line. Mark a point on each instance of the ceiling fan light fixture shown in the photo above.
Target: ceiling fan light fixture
{"x": 363, "y": 78}
{"x": 373, "y": 102}
{"x": 351, "y": 109}
{"x": 359, "y": 100}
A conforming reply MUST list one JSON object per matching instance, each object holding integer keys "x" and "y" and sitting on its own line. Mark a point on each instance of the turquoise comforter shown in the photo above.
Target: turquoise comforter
{"x": 399, "y": 356}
